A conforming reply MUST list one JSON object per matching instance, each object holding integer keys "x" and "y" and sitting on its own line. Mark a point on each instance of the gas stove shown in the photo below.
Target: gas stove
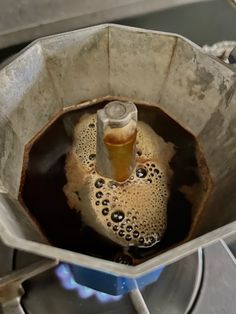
{"x": 202, "y": 282}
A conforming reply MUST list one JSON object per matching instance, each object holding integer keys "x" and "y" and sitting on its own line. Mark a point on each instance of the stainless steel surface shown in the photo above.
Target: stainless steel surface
{"x": 18, "y": 276}
{"x": 24, "y": 20}
{"x": 11, "y": 289}
{"x": 217, "y": 295}
{"x": 12, "y": 307}
{"x": 198, "y": 282}
{"x": 177, "y": 287}
{"x": 138, "y": 302}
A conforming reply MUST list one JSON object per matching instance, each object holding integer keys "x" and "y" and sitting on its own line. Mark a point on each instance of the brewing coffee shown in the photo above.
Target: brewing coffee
{"x": 132, "y": 212}
{"x": 44, "y": 178}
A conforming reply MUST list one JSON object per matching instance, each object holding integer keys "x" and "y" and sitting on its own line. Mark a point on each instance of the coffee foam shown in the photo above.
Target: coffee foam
{"x": 129, "y": 213}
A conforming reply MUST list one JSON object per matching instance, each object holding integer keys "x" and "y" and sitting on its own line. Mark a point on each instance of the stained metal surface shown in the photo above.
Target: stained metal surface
{"x": 177, "y": 287}
{"x": 138, "y": 302}
{"x": 11, "y": 289}
{"x": 217, "y": 295}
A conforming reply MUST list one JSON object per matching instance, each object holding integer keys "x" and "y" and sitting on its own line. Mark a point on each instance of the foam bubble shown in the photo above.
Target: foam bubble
{"x": 105, "y": 202}
{"x": 105, "y": 211}
{"x": 141, "y": 172}
{"x": 99, "y": 183}
{"x": 99, "y": 194}
{"x": 121, "y": 233}
{"x": 128, "y": 237}
{"x": 117, "y": 216}
{"x": 115, "y": 228}
{"x": 129, "y": 228}
{"x": 92, "y": 156}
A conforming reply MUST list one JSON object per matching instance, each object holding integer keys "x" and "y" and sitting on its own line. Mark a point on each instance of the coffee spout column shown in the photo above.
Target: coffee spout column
{"x": 116, "y": 140}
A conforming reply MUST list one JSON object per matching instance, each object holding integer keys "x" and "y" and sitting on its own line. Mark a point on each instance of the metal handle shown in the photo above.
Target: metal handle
{"x": 11, "y": 289}
{"x": 138, "y": 301}
{"x": 12, "y": 307}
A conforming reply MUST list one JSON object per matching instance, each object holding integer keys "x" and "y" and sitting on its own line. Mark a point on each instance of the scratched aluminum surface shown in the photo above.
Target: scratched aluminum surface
{"x": 166, "y": 70}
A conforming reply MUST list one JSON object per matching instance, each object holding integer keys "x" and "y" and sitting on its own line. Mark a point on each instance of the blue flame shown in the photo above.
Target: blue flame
{"x": 67, "y": 280}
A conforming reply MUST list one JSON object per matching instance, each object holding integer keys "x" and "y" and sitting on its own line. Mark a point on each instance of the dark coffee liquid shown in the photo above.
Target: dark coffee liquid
{"x": 44, "y": 180}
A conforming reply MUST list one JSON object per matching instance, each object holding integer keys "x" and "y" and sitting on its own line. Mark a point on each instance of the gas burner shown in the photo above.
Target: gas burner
{"x": 199, "y": 283}
{"x": 55, "y": 290}
{"x": 68, "y": 282}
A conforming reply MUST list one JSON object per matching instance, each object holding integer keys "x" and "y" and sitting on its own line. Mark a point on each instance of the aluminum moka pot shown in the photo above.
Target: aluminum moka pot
{"x": 57, "y": 73}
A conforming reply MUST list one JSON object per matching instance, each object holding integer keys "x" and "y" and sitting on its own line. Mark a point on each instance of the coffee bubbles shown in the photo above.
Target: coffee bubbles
{"x": 141, "y": 172}
{"x": 132, "y": 213}
{"x": 117, "y": 216}
{"x": 99, "y": 194}
{"x": 105, "y": 211}
{"x": 99, "y": 183}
